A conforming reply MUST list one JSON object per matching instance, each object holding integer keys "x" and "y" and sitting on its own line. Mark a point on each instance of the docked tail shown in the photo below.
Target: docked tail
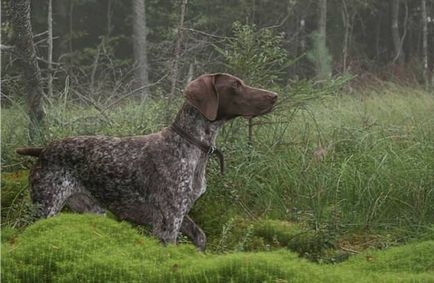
{"x": 32, "y": 151}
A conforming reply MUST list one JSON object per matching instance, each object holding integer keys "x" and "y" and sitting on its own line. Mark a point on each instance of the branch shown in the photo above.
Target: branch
{"x": 96, "y": 106}
{"x": 40, "y": 34}
{"x": 401, "y": 42}
{"x": 205, "y": 33}
{"x": 8, "y": 48}
{"x": 133, "y": 92}
{"x": 45, "y": 61}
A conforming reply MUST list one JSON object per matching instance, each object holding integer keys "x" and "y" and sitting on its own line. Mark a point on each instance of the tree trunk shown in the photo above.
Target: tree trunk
{"x": 178, "y": 49}
{"x": 432, "y": 80}
{"x": 174, "y": 70}
{"x": 61, "y": 19}
{"x": 302, "y": 35}
{"x": 425, "y": 44}
{"x": 71, "y": 12}
{"x": 397, "y": 44}
{"x": 377, "y": 38}
{"x": 190, "y": 74}
{"x": 140, "y": 32}
{"x": 322, "y": 35}
{"x": 26, "y": 55}
{"x": 346, "y": 20}
{"x": 50, "y": 48}
{"x": 109, "y": 18}
{"x": 322, "y": 23}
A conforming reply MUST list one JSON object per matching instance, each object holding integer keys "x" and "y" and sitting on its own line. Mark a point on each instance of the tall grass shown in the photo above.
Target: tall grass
{"x": 348, "y": 162}
{"x": 361, "y": 162}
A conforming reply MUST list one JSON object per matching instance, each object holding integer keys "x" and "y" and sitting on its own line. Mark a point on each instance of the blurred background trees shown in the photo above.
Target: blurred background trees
{"x": 100, "y": 42}
{"x": 103, "y": 49}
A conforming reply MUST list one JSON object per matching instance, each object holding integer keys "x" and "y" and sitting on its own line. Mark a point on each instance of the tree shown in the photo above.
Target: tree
{"x": 50, "y": 48}
{"x": 348, "y": 15}
{"x": 26, "y": 58}
{"x": 140, "y": 32}
{"x": 178, "y": 48}
{"x": 257, "y": 57}
{"x": 319, "y": 53}
{"x": 397, "y": 42}
{"x": 322, "y": 23}
{"x": 425, "y": 44}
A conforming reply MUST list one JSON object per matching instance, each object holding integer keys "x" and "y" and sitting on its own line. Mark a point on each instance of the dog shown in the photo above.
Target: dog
{"x": 152, "y": 179}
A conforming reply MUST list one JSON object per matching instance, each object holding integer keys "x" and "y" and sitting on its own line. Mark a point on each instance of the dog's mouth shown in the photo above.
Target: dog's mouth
{"x": 259, "y": 113}
{"x": 249, "y": 116}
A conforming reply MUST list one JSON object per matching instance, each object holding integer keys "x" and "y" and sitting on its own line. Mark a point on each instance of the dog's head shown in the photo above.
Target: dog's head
{"x": 223, "y": 97}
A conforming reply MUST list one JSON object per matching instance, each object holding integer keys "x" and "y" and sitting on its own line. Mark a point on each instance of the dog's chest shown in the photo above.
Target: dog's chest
{"x": 193, "y": 165}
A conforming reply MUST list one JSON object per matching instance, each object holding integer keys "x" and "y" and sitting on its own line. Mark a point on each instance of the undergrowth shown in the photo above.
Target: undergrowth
{"x": 89, "y": 248}
{"x": 343, "y": 174}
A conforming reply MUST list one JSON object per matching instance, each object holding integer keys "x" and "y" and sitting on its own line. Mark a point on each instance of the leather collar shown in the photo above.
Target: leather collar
{"x": 208, "y": 149}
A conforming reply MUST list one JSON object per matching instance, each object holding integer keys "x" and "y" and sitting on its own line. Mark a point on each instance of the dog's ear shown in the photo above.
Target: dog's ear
{"x": 202, "y": 94}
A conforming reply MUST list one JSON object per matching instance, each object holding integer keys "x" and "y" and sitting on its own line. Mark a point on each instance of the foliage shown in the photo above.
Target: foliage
{"x": 77, "y": 248}
{"x": 16, "y": 207}
{"x": 344, "y": 163}
{"x": 255, "y": 55}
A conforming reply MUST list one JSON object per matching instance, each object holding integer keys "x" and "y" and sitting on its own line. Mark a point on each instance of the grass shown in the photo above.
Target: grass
{"x": 363, "y": 160}
{"x": 347, "y": 163}
{"x": 89, "y": 248}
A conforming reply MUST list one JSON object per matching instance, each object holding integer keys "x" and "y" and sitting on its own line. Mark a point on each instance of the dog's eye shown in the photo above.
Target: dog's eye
{"x": 236, "y": 84}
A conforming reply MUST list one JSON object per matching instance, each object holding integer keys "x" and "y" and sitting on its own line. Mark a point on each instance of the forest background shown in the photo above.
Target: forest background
{"x": 344, "y": 164}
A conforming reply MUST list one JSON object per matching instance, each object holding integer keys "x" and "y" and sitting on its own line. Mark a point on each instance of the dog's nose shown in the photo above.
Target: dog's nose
{"x": 273, "y": 97}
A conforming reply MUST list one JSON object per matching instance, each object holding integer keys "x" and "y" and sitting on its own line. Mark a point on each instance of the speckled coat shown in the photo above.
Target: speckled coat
{"x": 153, "y": 179}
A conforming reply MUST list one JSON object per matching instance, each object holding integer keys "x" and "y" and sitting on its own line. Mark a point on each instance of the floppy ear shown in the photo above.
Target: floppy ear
{"x": 201, "y": 93}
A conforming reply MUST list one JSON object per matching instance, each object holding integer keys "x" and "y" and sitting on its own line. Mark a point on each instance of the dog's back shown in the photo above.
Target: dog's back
{"x": 107, "y": 168}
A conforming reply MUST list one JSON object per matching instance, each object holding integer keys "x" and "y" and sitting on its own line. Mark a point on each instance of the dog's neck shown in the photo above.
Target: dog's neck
{"x": 194, "y": 123}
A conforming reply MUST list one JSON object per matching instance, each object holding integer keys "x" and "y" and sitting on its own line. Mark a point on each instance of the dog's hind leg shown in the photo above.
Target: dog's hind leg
{"x": 83, "y": 202}
{"x": 51, "y": 186}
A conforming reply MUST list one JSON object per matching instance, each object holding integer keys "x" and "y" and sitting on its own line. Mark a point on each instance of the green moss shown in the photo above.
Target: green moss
{"x": 240, "y": 234}
{"x": 8, "y": 234}
{"x": 314, "y": 245}
{"x": 414, "y": 257}
{"x": 88, "y": 248}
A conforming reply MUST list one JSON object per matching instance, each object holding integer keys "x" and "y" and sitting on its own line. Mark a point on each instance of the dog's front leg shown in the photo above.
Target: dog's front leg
{"x": 166, "y": 226}
{"x": 193, "y": 231}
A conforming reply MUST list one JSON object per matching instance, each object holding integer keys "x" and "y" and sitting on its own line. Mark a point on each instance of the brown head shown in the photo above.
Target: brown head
{"x": 223, "y": 97}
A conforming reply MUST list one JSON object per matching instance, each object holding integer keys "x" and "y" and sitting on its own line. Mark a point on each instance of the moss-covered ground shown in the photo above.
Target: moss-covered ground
{"x": 90, "y": 248}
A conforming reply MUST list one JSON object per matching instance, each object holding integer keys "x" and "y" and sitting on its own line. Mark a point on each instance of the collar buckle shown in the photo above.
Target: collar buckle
{"x": 202, "y": 146}
{"x": 212, "y": 149}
